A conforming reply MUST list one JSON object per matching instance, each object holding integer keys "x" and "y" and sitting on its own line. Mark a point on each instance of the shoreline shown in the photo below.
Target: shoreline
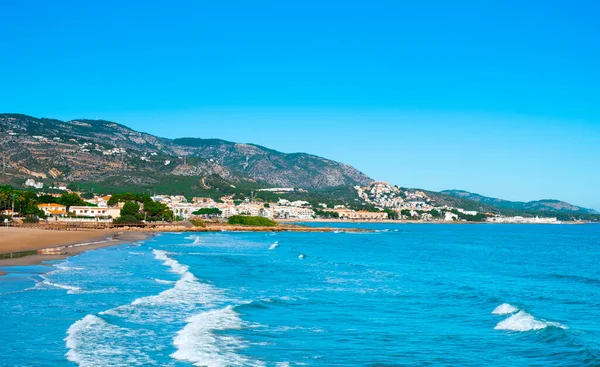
{"x": 402, "y": 221}
{"x": 33, "y": 246}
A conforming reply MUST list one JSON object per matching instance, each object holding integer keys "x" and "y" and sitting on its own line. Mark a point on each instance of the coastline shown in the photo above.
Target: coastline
{"x": 32, "y": 246}
{"x": 402, "y": 221}
{"x": 47, "y": 245}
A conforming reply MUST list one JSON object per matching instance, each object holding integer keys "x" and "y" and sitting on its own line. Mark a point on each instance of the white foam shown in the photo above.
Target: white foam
{"x": 301, "y": 256}
{"x": 170, "y": 305}
{"x": 65, "y": 266}
{"x": 522, "y": 321}
{"x": 505, "y": 309}
{"x": 92, "y": 342}
{"x": 198, "y": 344}
{"x": 175, "y": 266}
{"x": 162, "y": 281}
{"x": 69, "y": 288}
{"x": 196, "y": 239}
{"x": 274, "y": 245}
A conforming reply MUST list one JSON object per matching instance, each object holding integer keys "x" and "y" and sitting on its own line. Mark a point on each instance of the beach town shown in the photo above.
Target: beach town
{"x": 386, "y": 202}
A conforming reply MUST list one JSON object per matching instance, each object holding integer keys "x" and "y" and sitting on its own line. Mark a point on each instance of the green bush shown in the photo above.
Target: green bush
{"x": 126, "y": 219}
{"x": 198, "y": 222}
{"x": 327, "y": 214}
{"x": 247, "y": 220}
{"x": 30, "y": 219}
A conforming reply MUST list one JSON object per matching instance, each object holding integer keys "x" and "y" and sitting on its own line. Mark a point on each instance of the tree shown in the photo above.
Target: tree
{"x": 87, "y": 195}
{"x": 327, "y": 214}
{"x": 131, "y": 208}
{"x": 393, "y": 215}
{"x": 70, "y": 199}
{"x": 210, "y": 212}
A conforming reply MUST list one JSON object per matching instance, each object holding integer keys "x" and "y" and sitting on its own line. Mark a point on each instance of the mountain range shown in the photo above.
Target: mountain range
{"x": 548, "y": 205}
{"x": 101, "y": 155}
{"x": 97, "y": 150}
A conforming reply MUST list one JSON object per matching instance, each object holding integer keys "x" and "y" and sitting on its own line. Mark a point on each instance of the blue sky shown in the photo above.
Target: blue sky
{"x": 495, "y": 97}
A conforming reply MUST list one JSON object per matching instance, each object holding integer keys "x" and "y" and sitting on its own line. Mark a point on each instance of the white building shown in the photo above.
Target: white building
{"x": 91, "y": 211}
{"x": 32, "y": 183}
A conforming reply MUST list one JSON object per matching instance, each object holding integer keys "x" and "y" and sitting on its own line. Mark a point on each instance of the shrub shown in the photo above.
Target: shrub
{"x": 30, "y": 219}
{"x": 247, "y": 220}
{"x": 198, "y": 222}
{"x": 126, "y": 219}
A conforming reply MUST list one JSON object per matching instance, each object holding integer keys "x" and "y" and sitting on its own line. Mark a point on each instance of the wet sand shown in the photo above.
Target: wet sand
{"x": 57, "y": 244}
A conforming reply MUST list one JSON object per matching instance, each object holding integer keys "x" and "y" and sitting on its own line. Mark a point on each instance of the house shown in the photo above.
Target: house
{"x": 360, "y": 214}
{"x": 204, "y": 202}
{"x": 89, "y": 211}
{"x": 55, "y": 210}
{"x": 32, "y": 183}
{"x": 291, "y": 212}
{"x": 450, "y": 217}
{"x": 101, "y": 201}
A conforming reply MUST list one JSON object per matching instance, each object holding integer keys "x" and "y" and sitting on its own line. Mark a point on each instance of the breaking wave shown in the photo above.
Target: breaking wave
{"x": 175, "y": 266}
{"x": 198, "y": 343}
{"x": 69, "y": 288}
{"x": 505, "y": 309}
{"x": 169, "y": 305}
{"x": 92, "y": 342}
{"x": 195, "y": 238}
{"x": 522, "y": 322}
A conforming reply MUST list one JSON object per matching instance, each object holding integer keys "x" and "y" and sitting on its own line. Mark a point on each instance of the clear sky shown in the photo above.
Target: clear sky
{"x": 496, "y": 97}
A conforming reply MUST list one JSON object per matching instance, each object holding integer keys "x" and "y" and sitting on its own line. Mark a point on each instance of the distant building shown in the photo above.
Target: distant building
{"x": 32, "y": 183}
{"x": 54, "y": 210}
{"x": 278, "y": 189}
{"x": 360, "y": 214}
{"x": 100, "y": 201}
{"x": 524, "y": 220}
{"x": 89, "y": 211}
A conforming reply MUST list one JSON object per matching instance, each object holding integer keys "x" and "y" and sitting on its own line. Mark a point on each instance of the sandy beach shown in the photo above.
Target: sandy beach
{"x": 55, "y": 244}
{"x": 61, "y": 243}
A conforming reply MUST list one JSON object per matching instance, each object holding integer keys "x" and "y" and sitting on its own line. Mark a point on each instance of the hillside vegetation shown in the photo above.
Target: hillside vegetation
{"x": 106, "y": 153}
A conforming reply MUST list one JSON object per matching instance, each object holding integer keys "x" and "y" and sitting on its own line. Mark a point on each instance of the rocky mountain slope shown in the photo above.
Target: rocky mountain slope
{"x": 52, "y": 150}
{"x": 538, "y": 206}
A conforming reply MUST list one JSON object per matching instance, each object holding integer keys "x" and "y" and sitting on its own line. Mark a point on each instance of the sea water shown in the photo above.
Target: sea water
{"x": 402, "y": 295}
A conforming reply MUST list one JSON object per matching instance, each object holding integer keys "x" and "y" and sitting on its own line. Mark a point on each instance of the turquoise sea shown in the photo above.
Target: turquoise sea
{"x": 404, "y": 295}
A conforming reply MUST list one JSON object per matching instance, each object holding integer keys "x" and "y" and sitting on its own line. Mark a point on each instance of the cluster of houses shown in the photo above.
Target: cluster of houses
{"x": 410, "y": 205}
{"x": 284, "y": 209}
{"x": 523, "y": 220}
{"x": 59, "y": 212}
{"x": 384, "y": 195}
